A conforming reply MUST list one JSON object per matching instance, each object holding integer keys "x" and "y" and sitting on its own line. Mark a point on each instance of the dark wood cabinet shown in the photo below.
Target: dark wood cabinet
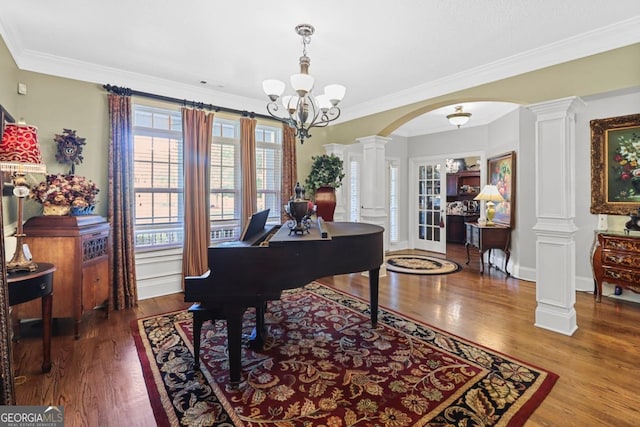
{"x": 486, "y": 238}
{"x": 456, "y": 231}
{"x": 463, "y": 185}
{"x": 80, "y": 247}
{"x": 616, "y": 260}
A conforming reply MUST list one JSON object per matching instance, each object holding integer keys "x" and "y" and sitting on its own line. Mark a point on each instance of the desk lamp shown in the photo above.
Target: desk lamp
{"x": 19, "y": 155}
{"x": 490, "y": 194}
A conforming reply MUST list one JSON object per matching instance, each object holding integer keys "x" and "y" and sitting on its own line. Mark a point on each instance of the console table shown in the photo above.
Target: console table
{"x": 28, "y": 285}
{"x": 486, "y": 238}
{"x": 616, "y": 260}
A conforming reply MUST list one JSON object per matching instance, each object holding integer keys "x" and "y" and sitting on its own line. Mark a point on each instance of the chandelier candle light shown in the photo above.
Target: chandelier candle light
{"x": 20, "y": 154}
{"x": 490, "y": 194}
{"x": 304, "y": 109}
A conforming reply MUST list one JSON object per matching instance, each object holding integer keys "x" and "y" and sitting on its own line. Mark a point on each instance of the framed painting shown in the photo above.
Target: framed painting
{"x": 502, "y": 173}
{"x": 615, "y": 165}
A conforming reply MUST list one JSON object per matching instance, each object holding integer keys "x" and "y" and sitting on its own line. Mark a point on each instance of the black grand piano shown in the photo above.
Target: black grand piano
{"x": 250, "y": 272}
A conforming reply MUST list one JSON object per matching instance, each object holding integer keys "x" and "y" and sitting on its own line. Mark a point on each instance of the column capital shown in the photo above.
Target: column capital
{"x": 337, "y": 149}
{"x": 373, "y": 139}
{"x": 557, "y": 107}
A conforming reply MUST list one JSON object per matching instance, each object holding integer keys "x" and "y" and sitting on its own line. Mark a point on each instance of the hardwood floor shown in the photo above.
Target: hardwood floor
{"x": 99, "y": 381}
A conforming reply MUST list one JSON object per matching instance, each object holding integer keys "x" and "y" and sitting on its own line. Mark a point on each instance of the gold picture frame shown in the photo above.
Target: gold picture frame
{"x": 615, "y": 165}
{"x": 501, "y": 172}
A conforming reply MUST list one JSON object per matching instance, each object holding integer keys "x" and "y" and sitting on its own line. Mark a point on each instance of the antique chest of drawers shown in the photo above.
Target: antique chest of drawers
{"x": 616, "y": 260}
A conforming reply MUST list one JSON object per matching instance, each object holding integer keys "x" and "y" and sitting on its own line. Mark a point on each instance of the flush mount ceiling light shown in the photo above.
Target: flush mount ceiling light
{"x": 304, "y": 109}
{"x": 459, "y": 118}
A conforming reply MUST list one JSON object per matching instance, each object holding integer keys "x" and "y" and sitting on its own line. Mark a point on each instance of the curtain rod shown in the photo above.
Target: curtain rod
{"x": 193, "y": 104}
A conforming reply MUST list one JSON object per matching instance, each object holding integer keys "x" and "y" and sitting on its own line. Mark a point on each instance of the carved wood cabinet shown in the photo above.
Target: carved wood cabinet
{"x": 79, "y": 247}
{"x": 616, "y": 260}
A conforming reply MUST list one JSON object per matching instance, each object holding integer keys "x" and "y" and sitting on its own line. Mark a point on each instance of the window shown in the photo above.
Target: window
{"x": 225, "y": 197}
{"x": 354, "y": 190}
{"x": 269, "y": 170}
{"x": 158, "y": 177}
{"x": 393, "y": 202}
{"x": 226, "y": 176}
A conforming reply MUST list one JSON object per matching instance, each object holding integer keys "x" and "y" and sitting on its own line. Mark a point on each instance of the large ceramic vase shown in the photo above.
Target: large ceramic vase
{"x": 325, "y": 202}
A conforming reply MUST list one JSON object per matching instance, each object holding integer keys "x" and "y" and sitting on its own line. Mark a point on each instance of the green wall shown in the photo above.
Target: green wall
{"x": 54, "y": 103}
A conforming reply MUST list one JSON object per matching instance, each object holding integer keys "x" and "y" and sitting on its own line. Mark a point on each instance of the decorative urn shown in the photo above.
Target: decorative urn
{"x": 299, "y": 211}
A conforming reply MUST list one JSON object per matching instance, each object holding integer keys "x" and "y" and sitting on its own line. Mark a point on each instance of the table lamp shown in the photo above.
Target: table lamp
{"x": 490, "y": 194}
{"x": 20, "y": 154}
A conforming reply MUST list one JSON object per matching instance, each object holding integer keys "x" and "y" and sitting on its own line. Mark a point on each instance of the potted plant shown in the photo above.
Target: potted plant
{"x": 327, "y": 172}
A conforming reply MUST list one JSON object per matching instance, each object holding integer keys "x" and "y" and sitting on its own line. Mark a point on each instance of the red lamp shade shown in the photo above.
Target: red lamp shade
{"x": 19, "y": 149}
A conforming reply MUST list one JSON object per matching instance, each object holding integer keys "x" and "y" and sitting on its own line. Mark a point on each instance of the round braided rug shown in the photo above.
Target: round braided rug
{"x": 420, "y": 264}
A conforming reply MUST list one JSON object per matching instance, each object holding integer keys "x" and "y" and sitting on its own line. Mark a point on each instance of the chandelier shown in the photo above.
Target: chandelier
{"x": 304, "y": 109}
{"x": 459, "y": 118}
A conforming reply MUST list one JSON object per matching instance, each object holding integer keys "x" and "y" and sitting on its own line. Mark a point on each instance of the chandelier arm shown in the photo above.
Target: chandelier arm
{"x": 272, "y": 109}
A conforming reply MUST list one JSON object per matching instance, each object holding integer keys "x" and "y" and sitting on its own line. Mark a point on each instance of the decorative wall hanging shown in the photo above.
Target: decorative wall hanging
{"x": 69, "y": 148}
{"x": 615, "y": 168}
{"x": 502, "y": 174}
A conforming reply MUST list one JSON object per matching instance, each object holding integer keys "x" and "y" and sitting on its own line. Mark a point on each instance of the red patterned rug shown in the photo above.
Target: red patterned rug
{"x": 323, "y": 365}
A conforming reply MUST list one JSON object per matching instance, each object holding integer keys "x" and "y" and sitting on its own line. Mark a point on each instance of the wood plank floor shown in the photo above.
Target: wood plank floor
{"x": 99, "y": 380}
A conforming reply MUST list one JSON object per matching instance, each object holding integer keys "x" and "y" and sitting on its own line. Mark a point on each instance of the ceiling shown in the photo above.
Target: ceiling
{"x": 387, "y": 54}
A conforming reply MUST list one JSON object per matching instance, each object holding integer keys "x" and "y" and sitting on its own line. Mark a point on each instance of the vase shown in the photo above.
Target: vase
{"x": 326, "y": 203}
{"x": 55, "y": 210}
{"x": 82, "y": 210}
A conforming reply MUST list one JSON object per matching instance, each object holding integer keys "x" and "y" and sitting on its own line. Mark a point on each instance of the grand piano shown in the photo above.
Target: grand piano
{"x": 251, "y": 272}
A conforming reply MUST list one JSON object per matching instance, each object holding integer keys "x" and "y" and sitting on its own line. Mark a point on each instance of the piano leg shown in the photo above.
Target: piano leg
{"x": 200, "y": 315}
{"x": 234, "y": 342}
{"x": 373, "y": 294}
{"x": 256, "y": 340}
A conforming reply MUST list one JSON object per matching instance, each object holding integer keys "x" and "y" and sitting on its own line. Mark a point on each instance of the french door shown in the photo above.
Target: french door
{"x": 429, "y": 195}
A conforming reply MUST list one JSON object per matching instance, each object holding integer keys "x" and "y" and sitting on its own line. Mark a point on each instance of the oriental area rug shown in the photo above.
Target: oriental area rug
{"x": 420, "y": 264}
{"x": 324, "y": 365}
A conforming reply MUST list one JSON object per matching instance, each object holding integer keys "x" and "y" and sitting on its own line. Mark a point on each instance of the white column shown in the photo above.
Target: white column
{"x": 338, "y": 151}
{"x": 555, "y": 211}
{"x": 373, "y": 184}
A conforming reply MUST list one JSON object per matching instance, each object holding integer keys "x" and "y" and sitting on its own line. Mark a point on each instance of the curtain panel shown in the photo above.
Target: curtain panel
{"x": 248, "y": 159}
{"x": 289, "y": 167}
{"x": 197, "y": 134}
{"x": 120, "y": 211}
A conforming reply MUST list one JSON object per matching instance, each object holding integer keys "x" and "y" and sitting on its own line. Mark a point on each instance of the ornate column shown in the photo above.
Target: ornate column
{"x": 555, "y": 211}
{"x": 340, "y": 212}
{"x": 373, "y": 185}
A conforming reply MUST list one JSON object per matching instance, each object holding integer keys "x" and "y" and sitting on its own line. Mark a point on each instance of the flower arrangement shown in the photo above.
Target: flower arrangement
{"x": 65, "y": 190}
{"x": 627, "y": 163}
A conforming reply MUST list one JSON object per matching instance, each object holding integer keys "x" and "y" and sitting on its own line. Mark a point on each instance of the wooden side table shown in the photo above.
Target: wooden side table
{"x": 28, "y": 285}
{"x": 486, "y": 238}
